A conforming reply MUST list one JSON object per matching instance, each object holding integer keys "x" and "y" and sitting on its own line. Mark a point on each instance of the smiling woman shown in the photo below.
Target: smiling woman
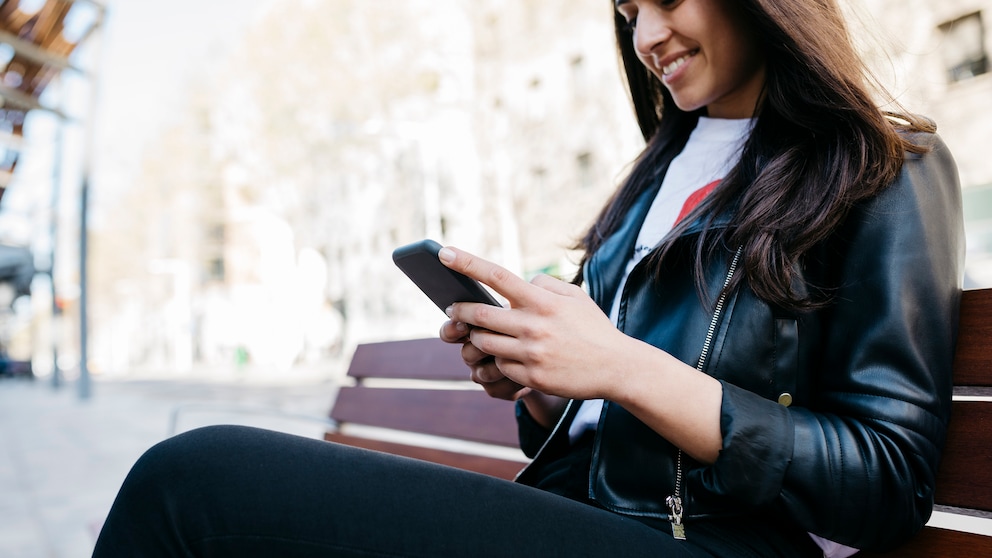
{"x": 744, "y": 372}
{"x": 703, "y": 51}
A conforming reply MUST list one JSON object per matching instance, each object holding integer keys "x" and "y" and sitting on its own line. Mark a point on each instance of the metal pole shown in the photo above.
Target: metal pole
{"x": 56, "y": 319}
{"x": 84, "y": 372}
{"x": 56, "y": 191}
{"x": 84, "y": 197}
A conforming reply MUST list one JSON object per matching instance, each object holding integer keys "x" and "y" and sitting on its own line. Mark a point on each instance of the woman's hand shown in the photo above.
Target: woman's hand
{"x": 552, "y": 337}
{"x": 545, "y": 409}
{"x": 483, "y": 366}
{"x": 555, "y": 340}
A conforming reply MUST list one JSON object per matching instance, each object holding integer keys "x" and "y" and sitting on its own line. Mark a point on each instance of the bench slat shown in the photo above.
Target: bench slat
{"x": 964, "y": 479}
{"x": 973, "y": 357}
{"x": 501, "y": 468}
{"x": 939, "y": 543}
{"x": 466, "y": 415}
{"x": 417, "y": 359}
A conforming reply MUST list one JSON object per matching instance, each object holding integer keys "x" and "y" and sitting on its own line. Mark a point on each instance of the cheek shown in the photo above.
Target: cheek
{"x": 740, "y": 55}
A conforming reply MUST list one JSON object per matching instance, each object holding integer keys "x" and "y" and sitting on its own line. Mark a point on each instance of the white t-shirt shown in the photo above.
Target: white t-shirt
{"x": 714, "y": 147}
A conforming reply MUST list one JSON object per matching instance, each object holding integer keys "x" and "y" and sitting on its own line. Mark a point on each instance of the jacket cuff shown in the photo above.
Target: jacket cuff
{"x": 532, "y": 435}
{"x": 758, "y": 440}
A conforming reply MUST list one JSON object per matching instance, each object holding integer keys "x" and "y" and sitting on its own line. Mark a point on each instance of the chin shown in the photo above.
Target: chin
{"x": 688, "y": 107}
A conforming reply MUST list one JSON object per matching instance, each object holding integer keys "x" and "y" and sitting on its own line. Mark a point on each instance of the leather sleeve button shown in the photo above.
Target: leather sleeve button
{"x": 785, "y": 399}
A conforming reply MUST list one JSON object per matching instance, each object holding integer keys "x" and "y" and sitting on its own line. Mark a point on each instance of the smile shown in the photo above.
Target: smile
{"x": 670, "y": 68}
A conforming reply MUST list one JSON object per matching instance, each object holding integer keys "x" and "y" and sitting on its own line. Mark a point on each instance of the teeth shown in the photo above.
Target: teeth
{"x": 669, "y": 69}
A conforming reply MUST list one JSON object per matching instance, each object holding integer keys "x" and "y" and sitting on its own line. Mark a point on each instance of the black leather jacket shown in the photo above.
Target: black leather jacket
{"x": 834, "y": 418}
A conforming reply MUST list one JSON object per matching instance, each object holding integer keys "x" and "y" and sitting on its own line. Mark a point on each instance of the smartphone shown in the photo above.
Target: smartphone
{"x": 442, "y": 285}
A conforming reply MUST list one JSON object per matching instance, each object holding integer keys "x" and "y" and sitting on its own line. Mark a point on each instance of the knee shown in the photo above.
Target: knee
{"x": 201, "y": 443}
{"x": 170, "y": 479}
{"x": 182, "y": 459}
{"x": 198, "y": 444}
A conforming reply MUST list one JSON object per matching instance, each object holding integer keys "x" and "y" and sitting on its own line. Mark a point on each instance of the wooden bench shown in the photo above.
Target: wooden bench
{"x": 414, "y": 398}
{"x": 964, "y": 482}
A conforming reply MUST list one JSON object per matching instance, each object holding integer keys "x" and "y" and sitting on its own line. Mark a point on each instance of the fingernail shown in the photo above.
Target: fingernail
{"x": 449, "y": 311}
{"x": 461, "y": 327}
{"x": 446, "y": 255}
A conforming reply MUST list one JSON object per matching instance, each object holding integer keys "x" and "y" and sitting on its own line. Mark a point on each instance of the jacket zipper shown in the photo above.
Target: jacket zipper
{"x": 674, "y": 502}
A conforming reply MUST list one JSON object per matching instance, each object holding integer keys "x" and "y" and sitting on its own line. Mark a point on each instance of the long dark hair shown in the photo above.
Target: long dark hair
{"x": 819, "y": 145}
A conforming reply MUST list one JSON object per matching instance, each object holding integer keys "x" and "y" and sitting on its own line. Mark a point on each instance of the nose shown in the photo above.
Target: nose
{"x": 652, "y": 31}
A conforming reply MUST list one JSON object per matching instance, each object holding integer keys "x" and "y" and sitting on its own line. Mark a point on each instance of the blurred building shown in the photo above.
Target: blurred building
{"x": 936, "y": 62}
{"x": 337, "y": 132}
{"x": 261, "y": 230}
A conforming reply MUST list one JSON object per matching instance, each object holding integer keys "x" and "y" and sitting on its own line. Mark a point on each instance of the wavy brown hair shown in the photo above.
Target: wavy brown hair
{"x": 819, "y": 144}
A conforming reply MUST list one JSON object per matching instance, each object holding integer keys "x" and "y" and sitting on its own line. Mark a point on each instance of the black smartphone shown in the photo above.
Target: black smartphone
{"x": 442, "y": 285}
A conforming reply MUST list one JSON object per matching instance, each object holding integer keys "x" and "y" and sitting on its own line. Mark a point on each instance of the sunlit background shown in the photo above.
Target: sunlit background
{"x": 251, "y": 164}
{"x": 248, "y": 167}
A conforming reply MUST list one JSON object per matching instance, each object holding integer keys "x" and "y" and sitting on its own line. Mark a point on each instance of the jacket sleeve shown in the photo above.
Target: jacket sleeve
{"x": 857, "y": 465}
{"x": 532, "y": 435}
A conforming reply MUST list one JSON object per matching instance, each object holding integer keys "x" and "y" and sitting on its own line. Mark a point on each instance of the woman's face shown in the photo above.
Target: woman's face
{"x": 701, "y": 50}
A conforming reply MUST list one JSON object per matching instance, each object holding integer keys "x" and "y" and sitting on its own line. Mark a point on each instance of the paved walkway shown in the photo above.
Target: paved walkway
{"x": 63, "y": 459}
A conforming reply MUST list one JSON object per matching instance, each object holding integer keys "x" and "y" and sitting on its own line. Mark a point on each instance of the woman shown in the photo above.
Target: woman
{"x": 761, "y": 366}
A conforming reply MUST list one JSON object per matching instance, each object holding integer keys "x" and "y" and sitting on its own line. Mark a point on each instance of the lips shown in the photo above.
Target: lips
{"x": 672, "y": 66}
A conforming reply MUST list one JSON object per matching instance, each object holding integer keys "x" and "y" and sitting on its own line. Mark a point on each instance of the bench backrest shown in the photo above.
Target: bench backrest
{"x": 421, "y": 386}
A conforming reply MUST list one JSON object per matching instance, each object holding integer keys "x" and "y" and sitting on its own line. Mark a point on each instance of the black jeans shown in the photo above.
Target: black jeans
{"x": 236, "y": 491}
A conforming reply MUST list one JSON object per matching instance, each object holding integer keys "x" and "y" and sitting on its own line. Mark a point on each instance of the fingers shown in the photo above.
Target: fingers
{"x": 454, "y": 332}
{"x": 473, "y": 356}
{"x": 487, "y": 374}
{"x": 496, "y": 344}
{"x": 496, "y": 384}
{"x": 554, "y": 285}
{"x": 512, "y": 288}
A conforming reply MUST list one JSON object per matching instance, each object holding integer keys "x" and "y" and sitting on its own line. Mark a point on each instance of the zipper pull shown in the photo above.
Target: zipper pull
{"x": 675, "y": 516}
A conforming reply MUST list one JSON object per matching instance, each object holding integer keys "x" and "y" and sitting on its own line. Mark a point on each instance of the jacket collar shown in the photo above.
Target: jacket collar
{"x": 605, "y": 269}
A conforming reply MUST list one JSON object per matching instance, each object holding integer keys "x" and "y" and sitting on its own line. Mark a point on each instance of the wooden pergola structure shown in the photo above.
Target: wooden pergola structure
{"x": 41, "y": 53}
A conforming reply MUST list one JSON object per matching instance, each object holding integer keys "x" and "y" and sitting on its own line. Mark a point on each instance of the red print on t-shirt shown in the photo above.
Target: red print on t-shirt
{"x": 694, "y": 199}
